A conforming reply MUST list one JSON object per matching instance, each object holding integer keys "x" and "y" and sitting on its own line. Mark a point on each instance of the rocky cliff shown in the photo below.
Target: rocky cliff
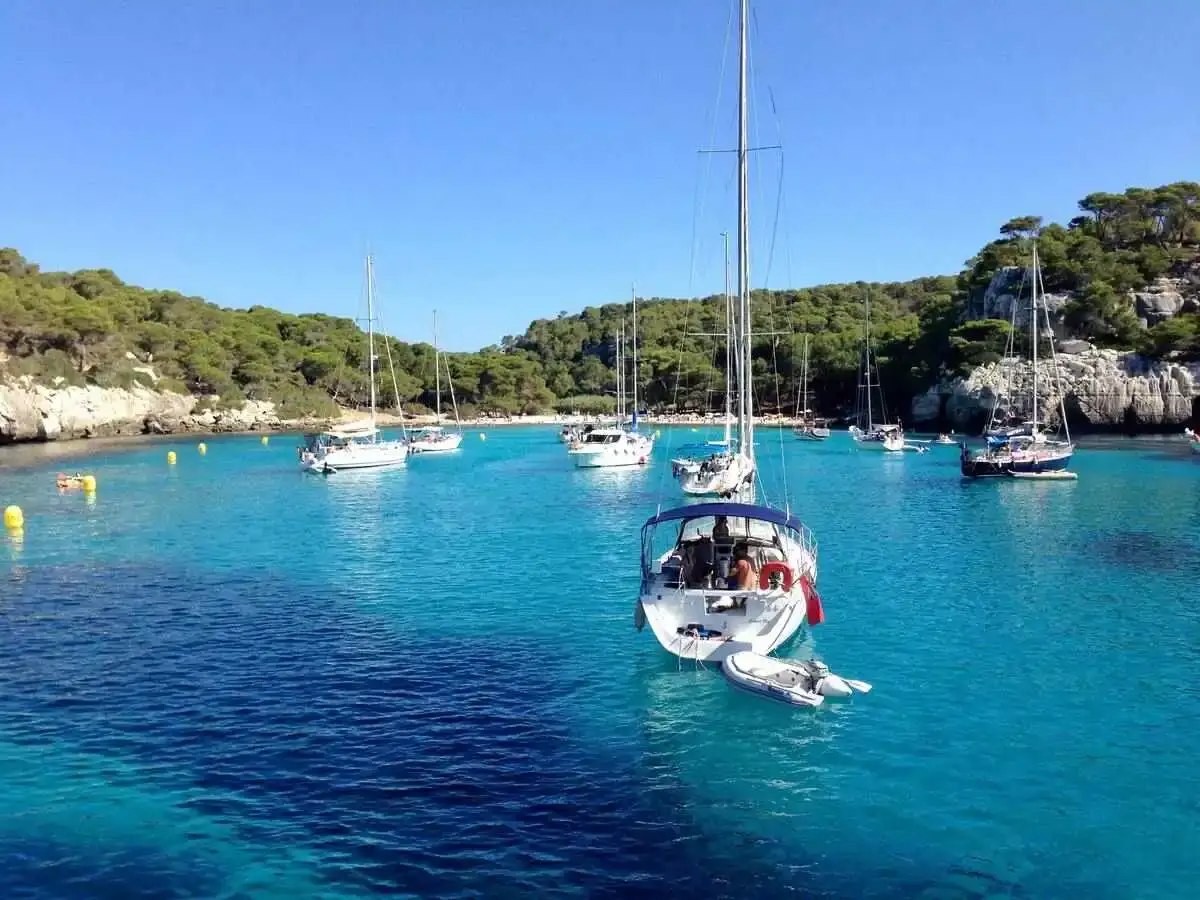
{"x": 34, "y": 412}
{"x": 1103, "y": 389}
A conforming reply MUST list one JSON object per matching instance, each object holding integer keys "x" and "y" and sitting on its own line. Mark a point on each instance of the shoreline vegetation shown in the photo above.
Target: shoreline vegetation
{"x": 1124, "y": 275}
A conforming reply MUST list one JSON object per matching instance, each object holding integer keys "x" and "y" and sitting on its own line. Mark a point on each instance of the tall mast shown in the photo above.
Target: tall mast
{"x": 867, "y": 342}
{"x": 745, "y": 399}
{"x": 620, "y": 373}
{"x": 371, "y": 333}
{"x": 633, "y": 294}
{"x": 437, "y": 368}
{"x": 1034, "y": 317}
{"x": 804, "y": 377}
{"x": 728, "y": 346}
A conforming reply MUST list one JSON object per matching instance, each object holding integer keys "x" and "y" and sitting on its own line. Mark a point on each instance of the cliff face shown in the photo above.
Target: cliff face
{"x": 33, "y": 412}
{"x": 1102, "y": 389}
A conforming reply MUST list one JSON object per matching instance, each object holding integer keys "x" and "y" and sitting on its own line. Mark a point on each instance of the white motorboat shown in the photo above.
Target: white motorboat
{"x": 356, "y": 445}
{"x": 798, "y": 682}
{"x": 946, "y": 440}
{"x": 435, "y": 438}
{"x": 603, "y": 448}
{"x": 609, "y": 447}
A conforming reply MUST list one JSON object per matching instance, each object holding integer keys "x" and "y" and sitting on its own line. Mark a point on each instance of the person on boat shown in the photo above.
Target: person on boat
{"x": 745, "y": 577}
{"x": 721, "y": 529}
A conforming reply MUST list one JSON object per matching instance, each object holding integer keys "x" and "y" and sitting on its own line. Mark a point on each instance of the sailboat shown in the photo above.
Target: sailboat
{"x": 718, "y": 468}
{"x": 435, "y": 438}
{"x": 356, "y": 445}
{"x": 808, "y": 428}
{"x": 866, "y": 432}
{"x": 1025, "y": 450}
{"x": 724, "y": 577}
{"x": 606, "y": 448}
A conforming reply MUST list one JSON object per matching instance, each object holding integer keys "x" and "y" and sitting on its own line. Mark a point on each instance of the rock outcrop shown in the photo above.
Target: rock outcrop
{"x": 1102, "y": 389}
{"x": 34, "y": 412}
{"x": 1160, "y": 300}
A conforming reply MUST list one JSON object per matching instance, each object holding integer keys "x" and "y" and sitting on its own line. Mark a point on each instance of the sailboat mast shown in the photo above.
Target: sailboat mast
{"x": 633, "y": 294}
{"x": 371, "y": 334}
{"x": 745, "y": 398}
{"x": 437, "y": 368}
{"x": 728, "y": 345}
{"x": 1034, "y": 317}
{"x": 867, "y": 368}
{"x": 804, "y": 377}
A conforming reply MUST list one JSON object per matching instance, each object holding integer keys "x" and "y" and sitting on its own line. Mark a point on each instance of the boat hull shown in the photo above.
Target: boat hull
{"x": 609, "y": 456}
{"x": 447, "y": 444}
{"x": 734, "y": 475}
{"x": 1008, "y": 466}
{"x": 817, "y": 434}
{"x": 728, "y": 621}
{"x": 378, "y": 456}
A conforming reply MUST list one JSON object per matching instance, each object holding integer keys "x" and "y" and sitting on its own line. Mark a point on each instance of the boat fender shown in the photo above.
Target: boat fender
{"x": 812, "y": 600}
{"x": 776, "y": 568}
{"x": 639, "y": 616}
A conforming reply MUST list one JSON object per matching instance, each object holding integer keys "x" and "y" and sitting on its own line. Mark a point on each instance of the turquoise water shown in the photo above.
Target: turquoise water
{"x": 225, "y": 679}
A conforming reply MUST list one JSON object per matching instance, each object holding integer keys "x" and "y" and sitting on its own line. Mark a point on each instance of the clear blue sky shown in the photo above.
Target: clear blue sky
{"x": 506, "y": 159}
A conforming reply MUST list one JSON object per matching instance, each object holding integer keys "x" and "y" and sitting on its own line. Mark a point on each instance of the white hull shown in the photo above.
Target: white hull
{"x": 759, "y": 621}
{"x": 446, "y": 444}
{"x": 358, "y": 456}
{"x": 888, "y": 443}
{"x": 630, "y": 451}
{"x": 796, "y": 682}
{"x": 731, "y": 477}
{"x": 813, "y": 434}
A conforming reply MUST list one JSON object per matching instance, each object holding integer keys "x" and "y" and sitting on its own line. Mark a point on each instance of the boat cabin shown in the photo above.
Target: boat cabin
{"x": 701, "y": 545}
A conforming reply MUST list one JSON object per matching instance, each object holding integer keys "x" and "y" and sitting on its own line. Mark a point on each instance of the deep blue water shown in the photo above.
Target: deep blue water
{"x": 225, "y": 679}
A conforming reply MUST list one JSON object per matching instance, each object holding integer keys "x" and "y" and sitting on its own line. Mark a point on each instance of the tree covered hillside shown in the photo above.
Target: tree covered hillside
{"x": 91, "y": 327}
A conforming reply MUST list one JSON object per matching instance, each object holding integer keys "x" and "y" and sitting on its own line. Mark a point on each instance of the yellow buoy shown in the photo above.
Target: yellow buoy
{"x": 14, "y": 518}
{"x": 89, "y": 484}
{"x": 202, "y": 447}
{"x": 264, "y": 440}
{"x": 482, "y": 436}
{"x": 170, "y": 457}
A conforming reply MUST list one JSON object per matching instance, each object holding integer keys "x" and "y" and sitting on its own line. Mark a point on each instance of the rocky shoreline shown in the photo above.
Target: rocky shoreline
{"x": 1103, "y": 391}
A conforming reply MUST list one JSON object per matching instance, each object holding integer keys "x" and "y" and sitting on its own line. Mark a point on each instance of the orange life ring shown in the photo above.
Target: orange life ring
{"x": 775, "y": 568}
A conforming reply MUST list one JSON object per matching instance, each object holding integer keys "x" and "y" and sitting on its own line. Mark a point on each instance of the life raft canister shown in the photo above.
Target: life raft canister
{"x": 775, "y": 568}
{"x": 812, "y": 601}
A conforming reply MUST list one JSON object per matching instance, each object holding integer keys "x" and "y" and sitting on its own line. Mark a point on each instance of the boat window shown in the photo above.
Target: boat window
{"x": 755, "y": 529}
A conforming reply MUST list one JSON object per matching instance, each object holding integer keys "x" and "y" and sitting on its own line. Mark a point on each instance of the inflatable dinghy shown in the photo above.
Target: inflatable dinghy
{"x": 799, "y": 682}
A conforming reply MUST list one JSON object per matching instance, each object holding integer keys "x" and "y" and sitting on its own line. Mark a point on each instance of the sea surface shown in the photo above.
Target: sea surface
{"x": 225, "y": 679}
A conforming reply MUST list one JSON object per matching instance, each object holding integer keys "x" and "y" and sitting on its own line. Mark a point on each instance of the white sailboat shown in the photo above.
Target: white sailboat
{"x": 721, "y": 468}
{"x": 723, "y": 577}
{"x": 435, "y": 438}
{"x": 606, "y": 448}
{"x": 866, "y": 433}
{"x": 808, "y": 428}
{"x": 356, "y": 445}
